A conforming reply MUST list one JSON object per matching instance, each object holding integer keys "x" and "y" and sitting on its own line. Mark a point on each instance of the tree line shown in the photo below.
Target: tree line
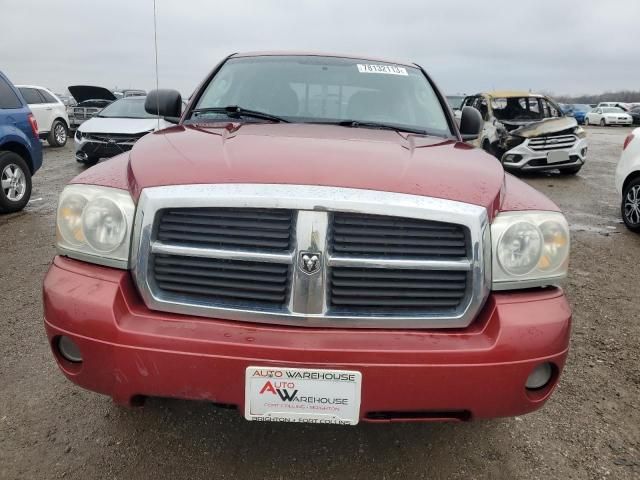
{"x": 624, "y": 96}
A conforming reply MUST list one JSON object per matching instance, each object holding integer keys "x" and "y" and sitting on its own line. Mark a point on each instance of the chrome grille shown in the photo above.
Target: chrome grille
{"x": 84, "y": 113}
{"x": 240, "y": 252}
{"x": 117, "y": 138}
{"x": 555, "y": 142}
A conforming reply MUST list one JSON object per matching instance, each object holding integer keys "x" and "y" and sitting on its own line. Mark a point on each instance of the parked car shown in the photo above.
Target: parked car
{"x": 50, "y": 113}
{"x": 628, "y": 181}
{"x": 605, "y": 116}
{"x": 528, "y": 132}
{"x": 20, "y": 148}
{"x": 294, "y": 255}
{"x": 455, "y": 101}
{"x": 90, "y": 100}
{"x": 566, "y": 109}
{"x": 133, "y": 93}
{"x": 579, "y": 111}
{"x": 621, "y": 105}
{"x": 635, "y": 114}
{"x": 114, "y": 130}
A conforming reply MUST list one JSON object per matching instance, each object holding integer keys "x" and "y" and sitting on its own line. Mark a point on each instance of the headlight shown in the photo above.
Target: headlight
{"x": 530, "y": 249}
{"x": 94, "y": 224}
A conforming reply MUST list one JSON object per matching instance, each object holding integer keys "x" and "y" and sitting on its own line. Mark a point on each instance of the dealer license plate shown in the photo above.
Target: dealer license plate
{"x": 556, "y": 157}
{"x": 302, "y": 395}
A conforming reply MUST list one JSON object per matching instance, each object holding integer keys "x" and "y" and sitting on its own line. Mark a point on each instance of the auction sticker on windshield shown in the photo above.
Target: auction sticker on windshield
{"x": 388, "y": 69}
{"x": 302, "y": 395}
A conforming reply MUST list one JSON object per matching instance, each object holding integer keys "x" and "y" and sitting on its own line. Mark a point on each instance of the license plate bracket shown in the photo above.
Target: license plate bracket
{"x": 558, "y": 156}
{"x": 304, "y": 395}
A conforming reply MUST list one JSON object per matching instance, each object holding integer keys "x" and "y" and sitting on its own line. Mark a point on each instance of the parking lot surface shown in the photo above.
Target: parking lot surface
{"x": 590, "y": 429}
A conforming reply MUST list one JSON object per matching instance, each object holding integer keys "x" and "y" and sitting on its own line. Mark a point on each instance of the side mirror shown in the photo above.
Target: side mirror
{"x": 164, "y": 103}
{"x": 470, "y": 124}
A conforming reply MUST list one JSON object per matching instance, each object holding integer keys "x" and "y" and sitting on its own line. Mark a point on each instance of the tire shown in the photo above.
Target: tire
{"x": 586, "y": 121}
{"x": 487, "y": 147}
{"x": 630, "y": 206}
{"x": 58, "y": 135}
{"x": 89, "y": 162}
{"x": 15, "y": 182}
{"x": 603, "y": 123}
{"x": 570, "y": 170}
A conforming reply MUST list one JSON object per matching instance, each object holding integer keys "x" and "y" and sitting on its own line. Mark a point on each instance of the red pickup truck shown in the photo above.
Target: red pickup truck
{"x": 311, "y": 242}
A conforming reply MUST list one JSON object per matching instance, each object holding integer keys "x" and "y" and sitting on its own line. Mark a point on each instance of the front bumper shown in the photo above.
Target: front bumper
{"x": 479, "y": 372}
{"x": 527, "y": 159}
{"x": 89, "y": 149}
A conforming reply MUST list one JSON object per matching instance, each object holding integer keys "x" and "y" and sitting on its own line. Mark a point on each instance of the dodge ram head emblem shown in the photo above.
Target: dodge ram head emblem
{"x": 310, "y": 262}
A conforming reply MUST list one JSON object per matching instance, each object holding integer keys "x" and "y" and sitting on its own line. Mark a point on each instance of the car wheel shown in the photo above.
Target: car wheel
{"x": 58, "y": 134}
{"x": 603, "y": 123}
{"x": 15, "y": 182}
{"x": 570, "y": 170}
{"x": 630, "y": 207}
{"x": 89, "y": 161}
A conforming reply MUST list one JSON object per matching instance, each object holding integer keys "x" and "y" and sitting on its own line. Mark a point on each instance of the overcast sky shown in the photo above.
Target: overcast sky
{"x": 561, "y": 46}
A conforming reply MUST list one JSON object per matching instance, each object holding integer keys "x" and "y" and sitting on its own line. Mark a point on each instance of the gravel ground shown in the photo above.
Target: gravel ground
{"x": 590, "y": 429}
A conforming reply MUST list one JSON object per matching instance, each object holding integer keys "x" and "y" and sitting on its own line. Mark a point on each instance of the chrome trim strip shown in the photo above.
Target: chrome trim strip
{"x": 312, "y": 204}
{"x": 341, "y": 261}
{"x": 165, "y": 249}
{"x": 98, "y": 260}
{"x": 308, "y": 292}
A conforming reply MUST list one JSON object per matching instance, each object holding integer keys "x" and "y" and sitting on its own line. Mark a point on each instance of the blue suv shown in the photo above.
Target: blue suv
{"x": 20, "y": 148}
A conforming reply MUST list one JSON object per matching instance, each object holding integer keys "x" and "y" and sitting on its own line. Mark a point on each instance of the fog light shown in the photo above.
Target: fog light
{"x": 69, "y": 350}
{"x": 540, "y": 376}
{"x": 512, "y": 158}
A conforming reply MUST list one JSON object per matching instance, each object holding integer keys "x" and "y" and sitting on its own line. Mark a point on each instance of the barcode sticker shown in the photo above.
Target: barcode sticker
{"x": 386, "y": 69}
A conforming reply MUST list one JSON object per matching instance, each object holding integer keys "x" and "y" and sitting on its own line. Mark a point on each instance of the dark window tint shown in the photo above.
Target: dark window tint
{"x": 8, "y": 98}
{"x": 31, "y": 95}
{"x": 48, "y": 98}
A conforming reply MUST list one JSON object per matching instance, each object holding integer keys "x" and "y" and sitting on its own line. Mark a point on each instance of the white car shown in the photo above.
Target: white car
{"x": 50, "y": 113}
{"x": 623, "y": 106}
{"x": 115, "y": 129}
{"x": 604, "y": 116}
{"x": 628, "y": 181}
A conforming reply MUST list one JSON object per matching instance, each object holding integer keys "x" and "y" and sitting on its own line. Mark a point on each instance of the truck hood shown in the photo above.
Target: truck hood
{"x": 540, "y": 128}
{"x": 90, "y": 92}
{"x": 121, "y": 125}
{"x": 306, "y": 154}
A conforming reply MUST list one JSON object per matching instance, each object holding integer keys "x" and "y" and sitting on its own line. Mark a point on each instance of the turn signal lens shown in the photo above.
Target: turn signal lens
{"x": 70, "y": 219}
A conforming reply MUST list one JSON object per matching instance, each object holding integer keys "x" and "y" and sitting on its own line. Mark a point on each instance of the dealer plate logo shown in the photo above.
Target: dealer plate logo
{"x": 310, "y": 262}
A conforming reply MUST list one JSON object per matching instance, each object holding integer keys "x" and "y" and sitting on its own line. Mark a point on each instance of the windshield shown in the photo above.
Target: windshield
{"x": 612, "y": 110}
{"x": 524, "y": 108}
{"x": 314, "y": 89}
{"x": 126, "y": 108}
{"x": 580, "y": 107}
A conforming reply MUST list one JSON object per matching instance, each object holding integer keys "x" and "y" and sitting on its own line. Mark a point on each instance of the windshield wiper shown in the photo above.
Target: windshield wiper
{"x": 381, "y": 126}
{"x": 234, "y": 111}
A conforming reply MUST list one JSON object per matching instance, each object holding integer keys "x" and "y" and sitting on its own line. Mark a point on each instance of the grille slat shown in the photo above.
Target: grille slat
{"x": 366, "y": 235}
{"x": 397, "y": 284}
{"x": 253, "y": 229}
